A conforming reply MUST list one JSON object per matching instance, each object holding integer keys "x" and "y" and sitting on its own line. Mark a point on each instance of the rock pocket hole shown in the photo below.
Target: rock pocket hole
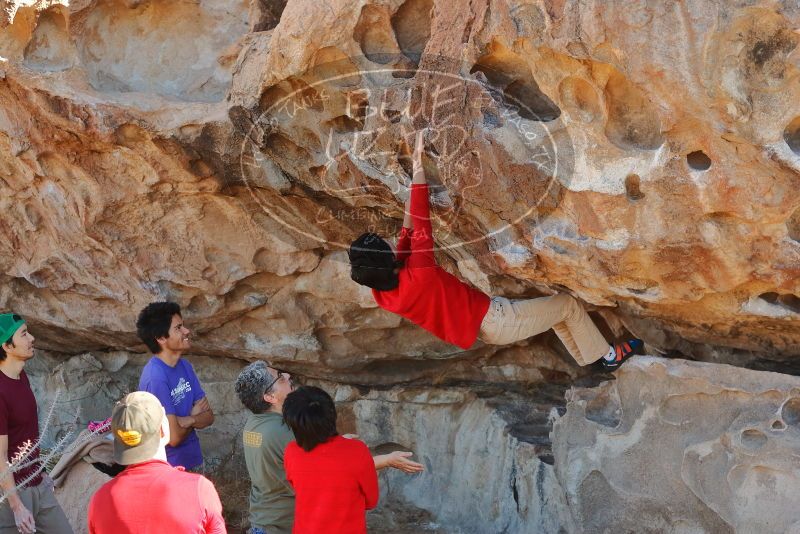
{"x": 580, "y": 97}
{"x": 753, "y": 439}
{"x": 506, "y": 71}
{"x": 788, "y": 301}
{"x": 792, "y": 135}
{"x": 375, "y": 34}
{"x": 266, "y": 14}
{"x": 632, "y": 187}
{"x": 49, "y": 48}
{"x": 332, "y": 66}
{"x": 790, "y": 412}
{"x": 778, "y": 425}
{"x": 532, "y": 102}
{"x": 344, "y": 124}
{"x": 412, "y": 27}
{"x": 633, "y": 120}
{"x": 698, "y": 160}
{"x": 390, "y": 446}
{"x": 279, "y": 146}
{"x": 291, "y": 92}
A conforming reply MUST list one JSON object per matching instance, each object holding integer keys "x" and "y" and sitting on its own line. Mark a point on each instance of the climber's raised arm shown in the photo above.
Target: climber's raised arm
{"x": 417, "y": 169}
{"x": 422, "y": 240}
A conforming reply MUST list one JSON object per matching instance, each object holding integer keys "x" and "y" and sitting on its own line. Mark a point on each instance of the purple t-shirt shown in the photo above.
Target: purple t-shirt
{"x": 178, "y": 389}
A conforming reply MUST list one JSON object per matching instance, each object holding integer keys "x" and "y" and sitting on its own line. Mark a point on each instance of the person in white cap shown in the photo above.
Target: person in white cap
{"x": 151, "y": 496}
{"x": 29, "y": 505}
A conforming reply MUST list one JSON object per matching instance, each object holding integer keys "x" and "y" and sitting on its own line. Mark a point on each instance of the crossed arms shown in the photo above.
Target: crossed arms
{"x": 201, "y": 416}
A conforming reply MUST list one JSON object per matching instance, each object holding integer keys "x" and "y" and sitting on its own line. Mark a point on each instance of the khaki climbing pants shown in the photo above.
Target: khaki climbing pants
{"x": 47, "y": 513}
{"x": 508, "y": 321}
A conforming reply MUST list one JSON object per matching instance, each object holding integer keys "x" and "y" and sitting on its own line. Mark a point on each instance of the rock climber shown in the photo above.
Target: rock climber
{"x": 406, "y": 280}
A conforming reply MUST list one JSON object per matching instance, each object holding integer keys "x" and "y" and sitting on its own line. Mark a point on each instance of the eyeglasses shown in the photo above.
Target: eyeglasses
{"x": 269, "y": 386}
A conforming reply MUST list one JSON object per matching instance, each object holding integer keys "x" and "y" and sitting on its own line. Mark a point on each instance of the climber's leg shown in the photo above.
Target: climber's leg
{"x": 509, "y": 321}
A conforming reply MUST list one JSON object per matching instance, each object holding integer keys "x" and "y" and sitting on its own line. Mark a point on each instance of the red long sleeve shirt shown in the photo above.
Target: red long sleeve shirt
{"x": 334, "y": 484}
{"x": 428, "y": 295}
{"x": 153, "y": 497}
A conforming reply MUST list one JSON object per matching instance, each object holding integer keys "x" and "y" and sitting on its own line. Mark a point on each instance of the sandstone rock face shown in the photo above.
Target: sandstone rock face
{"x": 479, "y": 476}
{"x": 642, "y": 155}
{"x": 222, "y": 153}
{"x": 676, "y": 446}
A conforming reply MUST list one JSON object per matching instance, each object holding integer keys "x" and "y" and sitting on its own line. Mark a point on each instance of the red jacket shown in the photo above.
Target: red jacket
{"x": 428, "y": 295}
{"x": 334, "y": 484}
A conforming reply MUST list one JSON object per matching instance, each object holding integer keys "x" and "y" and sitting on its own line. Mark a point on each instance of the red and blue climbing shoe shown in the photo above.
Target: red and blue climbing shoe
{"x": 623, "y": 350}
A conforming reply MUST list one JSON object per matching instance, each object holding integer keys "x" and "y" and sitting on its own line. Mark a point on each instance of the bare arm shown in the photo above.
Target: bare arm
{"x": 422, "y": 245}
{"x": 418, "y": 177}
{"x": 179, "y": 428}
{"x": 407, "y": 221}
{"x": 397, "y": 460}
{"x": 202, "y": 413}
{"x": 418, "y": 170}
{"x": 201, "y": 416}
{"x": 7, "y": 482}
{"x": 22, "y": 516}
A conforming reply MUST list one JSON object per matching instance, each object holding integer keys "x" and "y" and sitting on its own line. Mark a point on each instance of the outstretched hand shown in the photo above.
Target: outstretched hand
{"x": 400, "y": 460}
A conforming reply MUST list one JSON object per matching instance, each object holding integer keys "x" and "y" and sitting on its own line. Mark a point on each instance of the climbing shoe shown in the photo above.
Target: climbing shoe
{"x": 623, "y": 351}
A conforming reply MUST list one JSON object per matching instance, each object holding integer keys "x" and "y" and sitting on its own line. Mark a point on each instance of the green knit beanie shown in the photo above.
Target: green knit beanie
{"x": 9, "y": 324}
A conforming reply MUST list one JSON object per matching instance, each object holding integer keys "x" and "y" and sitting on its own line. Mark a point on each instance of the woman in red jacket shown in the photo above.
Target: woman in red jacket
{"x": 334, "y": 478}
{"x": 408, "y": 282}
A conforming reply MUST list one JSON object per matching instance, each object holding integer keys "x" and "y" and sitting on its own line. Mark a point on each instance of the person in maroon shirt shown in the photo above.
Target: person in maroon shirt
{"x": 406, "y": 280}
{"x": 333, "y": 477}
{"x": 30, "y": 504}
{"x": 150, "y": 496}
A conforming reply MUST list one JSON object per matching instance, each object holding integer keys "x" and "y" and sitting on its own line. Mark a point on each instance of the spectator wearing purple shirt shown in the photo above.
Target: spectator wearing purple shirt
{"x": 173, "y": 381}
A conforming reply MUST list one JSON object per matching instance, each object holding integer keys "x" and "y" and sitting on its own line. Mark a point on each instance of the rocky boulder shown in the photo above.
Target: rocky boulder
{"x": 677, "y": 446}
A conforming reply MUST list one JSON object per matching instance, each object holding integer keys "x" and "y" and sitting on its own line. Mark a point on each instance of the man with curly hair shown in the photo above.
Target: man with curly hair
{"x": 262, "y": 389}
